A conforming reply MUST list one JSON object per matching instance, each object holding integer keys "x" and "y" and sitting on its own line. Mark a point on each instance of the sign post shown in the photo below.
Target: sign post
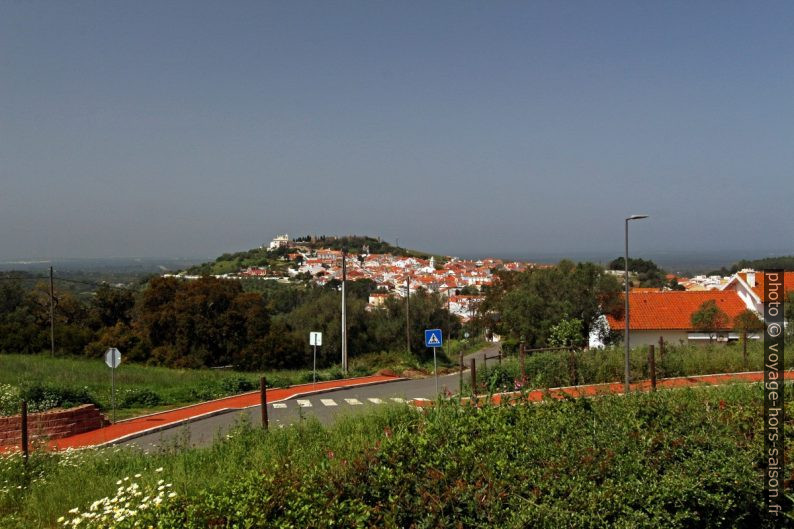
{"x": 113, "y": 359}
{"x": 315, "y": 339}
{"x": 434, "y": 339}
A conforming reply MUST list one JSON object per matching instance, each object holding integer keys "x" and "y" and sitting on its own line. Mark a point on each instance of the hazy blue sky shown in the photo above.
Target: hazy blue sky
{"x": 193, "y": 128}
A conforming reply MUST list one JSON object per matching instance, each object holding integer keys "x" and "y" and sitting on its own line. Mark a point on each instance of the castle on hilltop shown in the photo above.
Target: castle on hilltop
{"x": 280, "y": 241}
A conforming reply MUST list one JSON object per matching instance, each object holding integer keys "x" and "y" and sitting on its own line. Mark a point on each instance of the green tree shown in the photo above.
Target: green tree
{"x": 673, "y": 284}
{"x": 648, "y": 273}
{"x": 110, "y": 306}
{"x": 206, "y": 322}
{"x": 427, "y": 311}
{"x": 20, "y": 330}
{"x": 360, "y": 288}
{"x": 709, "y": 318}
{"x": 747, "y": 321}
{"x": 530, "y": 303}
{"x": 282, "y": 348}
{"x": 71, "y": 323}
{"x": 566, "y": 333}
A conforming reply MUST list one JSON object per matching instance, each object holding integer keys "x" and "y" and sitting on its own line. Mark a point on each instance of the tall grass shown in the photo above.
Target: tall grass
{"x": 138, "y": 387}
{"x": 50, "y": 382}
{"x": 398, "y": 361}
{"x": 563, "y": 368}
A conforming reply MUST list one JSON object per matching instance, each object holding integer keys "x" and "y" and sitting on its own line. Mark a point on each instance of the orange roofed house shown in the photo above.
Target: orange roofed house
{"x": 669, "y": 315}
{"x": 749, "y": 285}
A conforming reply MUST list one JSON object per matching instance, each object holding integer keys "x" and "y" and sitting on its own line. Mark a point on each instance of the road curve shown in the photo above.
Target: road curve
{"x": 326, "y": 406}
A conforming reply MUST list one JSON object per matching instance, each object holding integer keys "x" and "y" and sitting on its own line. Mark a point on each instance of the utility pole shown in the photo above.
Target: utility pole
{"x": 449, "y": 322}
{"x": 52, "y": 316}
{"x": 344, "y": 311}
{"x": 407, "y": 313}
{"x": 627, "y": 360}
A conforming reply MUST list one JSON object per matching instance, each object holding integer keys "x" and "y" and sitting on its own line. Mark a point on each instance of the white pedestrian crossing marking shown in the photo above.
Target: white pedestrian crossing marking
{"x": 353, "y": 402}
{"x": 328, "y": 402}
{"x": 304, "y": 403}
{"x": 280, "y": 405}
{"x": 375, "y": 401}
{"x": 398, "y": 399}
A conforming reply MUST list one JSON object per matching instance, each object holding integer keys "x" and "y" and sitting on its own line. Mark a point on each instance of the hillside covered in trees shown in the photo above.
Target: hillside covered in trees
{"x": 213, "y": 322}
{"x": 785, "y": 262}
{"x": 275, "y": 259}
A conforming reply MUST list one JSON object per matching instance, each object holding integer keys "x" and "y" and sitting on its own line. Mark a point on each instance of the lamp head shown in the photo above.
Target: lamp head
{"x": 637, "y": 217}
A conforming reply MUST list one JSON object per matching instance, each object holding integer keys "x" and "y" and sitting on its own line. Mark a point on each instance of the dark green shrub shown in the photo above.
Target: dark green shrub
{"x": 141, "y": 398}
{"x": 500, "y": 378}
{"x": 235, "y": 385}
{"x": 206, "y": 392}
{"x": 42, "y": 397}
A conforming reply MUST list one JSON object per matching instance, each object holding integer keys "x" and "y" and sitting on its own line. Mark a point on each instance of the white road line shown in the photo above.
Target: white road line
{"x": 280, "y": 405}
{"x": 353, "y": 402}
{"x": 328, "y": 402}
{"x": 398, "y": 399}
{"x": 304, "y": 403}
{"x": 375, "y": 401}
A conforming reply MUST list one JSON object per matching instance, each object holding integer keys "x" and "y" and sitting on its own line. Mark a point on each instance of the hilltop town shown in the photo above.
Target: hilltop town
{"x": 460, "y": 281}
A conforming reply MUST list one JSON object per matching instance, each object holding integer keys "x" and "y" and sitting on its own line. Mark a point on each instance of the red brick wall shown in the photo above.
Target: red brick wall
{"x": 52, "y": 424}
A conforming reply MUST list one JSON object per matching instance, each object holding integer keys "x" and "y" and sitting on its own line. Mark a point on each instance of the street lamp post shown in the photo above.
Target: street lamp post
{"x": 408, "y": 313}
{"x": 344, "y": 310}
{"x": 626, "y": 316}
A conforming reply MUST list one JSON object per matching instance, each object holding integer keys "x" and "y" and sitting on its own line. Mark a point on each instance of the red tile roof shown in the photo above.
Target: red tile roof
{"x": 788, "y": 282}
{"x": 673, "y": 310}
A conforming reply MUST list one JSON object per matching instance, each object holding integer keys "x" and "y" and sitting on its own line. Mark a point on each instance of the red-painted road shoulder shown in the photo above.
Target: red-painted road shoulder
{"x": 616, "y": 388}
{"x": 139, "y": 425}
{"x": 150, "y": 423}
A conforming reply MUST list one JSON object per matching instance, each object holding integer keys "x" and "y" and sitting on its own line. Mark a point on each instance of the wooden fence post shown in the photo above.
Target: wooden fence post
{"x": 572, "y": 367}
{"x": 24, "y": 428}
{"x": 461, "y": 372}
{"x": 473, "y": 376}
{"x": 521, "y": 355}
{"x": 263, "y": 401}
{"x": 652, "y": 365}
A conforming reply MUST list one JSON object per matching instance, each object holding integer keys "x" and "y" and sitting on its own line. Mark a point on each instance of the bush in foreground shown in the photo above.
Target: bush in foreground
{"x": 682, "y": 458}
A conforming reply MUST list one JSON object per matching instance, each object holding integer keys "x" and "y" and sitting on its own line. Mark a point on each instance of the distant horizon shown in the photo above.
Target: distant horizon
{"x": 678, "y": 260}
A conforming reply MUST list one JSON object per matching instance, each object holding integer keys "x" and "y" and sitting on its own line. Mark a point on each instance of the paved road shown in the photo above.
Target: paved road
{"x": 325, "y": 406}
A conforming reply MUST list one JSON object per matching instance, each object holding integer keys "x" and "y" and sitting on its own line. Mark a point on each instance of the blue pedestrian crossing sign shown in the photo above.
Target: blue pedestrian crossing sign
{"x": 433, "y": 338}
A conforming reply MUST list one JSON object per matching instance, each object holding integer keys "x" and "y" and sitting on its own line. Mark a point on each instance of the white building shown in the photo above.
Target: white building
{"x": 279, "y": 241}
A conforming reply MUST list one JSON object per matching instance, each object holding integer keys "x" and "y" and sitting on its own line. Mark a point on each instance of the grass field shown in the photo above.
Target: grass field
{"x": 676, "y": 458}
{"x": 51, "y": 382}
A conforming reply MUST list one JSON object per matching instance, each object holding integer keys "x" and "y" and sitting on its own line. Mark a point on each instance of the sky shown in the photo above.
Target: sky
{"x": 189, "y": 129}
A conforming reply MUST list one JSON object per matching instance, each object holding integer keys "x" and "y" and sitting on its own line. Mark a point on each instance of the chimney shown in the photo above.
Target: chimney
{"x": 751, "y": 278}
